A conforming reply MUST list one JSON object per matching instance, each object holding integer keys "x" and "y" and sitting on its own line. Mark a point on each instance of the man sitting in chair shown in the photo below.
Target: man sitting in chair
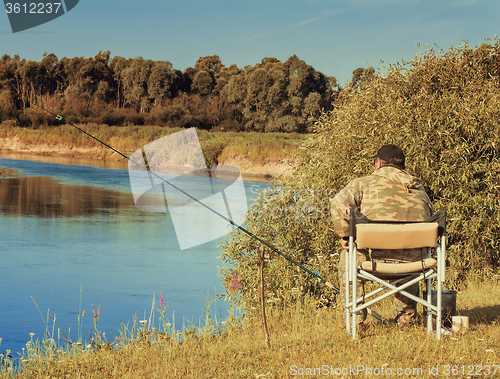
{"x": 388, "y": 194}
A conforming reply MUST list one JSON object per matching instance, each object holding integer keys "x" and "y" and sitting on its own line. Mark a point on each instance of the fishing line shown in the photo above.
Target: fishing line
{"x": 328, "y": 284}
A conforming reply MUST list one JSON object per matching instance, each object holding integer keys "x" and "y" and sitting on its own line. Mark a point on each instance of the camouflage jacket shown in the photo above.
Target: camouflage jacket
{"x": 389, "y": 194}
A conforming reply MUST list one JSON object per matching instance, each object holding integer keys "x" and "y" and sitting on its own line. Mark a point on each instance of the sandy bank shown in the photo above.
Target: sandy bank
{"x": 250, "y": 170}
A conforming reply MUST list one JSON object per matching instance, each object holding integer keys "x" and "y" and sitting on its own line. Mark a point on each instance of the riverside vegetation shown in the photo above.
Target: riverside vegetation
{"x": 443, "y": 109}
{"x": 302, "y": 338}
{"x": 217, "y": 146}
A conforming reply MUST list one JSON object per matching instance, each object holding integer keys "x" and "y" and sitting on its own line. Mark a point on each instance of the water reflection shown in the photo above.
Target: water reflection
{"x": 46, "y": 197}
{"x": 62, "y": 225}
{"x": 65, "y": 160}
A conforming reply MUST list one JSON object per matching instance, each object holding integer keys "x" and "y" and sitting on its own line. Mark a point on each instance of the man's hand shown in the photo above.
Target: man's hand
{"x": 345, "y": 244}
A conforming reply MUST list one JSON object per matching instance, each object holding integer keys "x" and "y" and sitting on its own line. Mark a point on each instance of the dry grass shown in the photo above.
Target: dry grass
{"x": 303, "y": 340}
{"x": 257, "y": 147}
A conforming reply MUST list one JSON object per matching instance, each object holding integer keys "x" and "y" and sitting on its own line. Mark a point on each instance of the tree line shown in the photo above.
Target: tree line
{"x": 272, "y": 96}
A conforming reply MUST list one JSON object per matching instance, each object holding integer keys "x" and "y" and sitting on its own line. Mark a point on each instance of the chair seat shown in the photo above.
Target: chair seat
{"x": 404, "y": 236}
{"x": 398, "y": 268}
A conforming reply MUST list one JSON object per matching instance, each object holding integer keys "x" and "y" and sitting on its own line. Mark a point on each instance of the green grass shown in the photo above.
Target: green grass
{"x": 303, "y": 339}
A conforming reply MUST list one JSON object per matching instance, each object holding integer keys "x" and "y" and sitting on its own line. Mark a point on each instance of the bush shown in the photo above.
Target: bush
{"x": 112, "y": 117}
{"x": 212, "y": 149}
{"x": 170, "y": 116}
{"x": 443, "y": 109}
{"x": 229, "y": 126}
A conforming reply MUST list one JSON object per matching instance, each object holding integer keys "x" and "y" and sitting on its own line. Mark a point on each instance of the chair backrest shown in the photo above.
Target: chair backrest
{"x": 396, "y": 236}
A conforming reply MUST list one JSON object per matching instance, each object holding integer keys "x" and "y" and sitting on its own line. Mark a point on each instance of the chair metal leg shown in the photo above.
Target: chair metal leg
{"x": 429, "y": 310}
{"x": 354, "y": 279}
{"x": 441, "y": 248}
{"x": 439, "y": 308}
{"x": 428, "y": 287}
{"x": 346, "y": 298}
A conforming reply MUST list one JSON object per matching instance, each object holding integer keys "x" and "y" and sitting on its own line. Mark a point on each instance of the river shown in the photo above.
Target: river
{"x": 71, "y": 237}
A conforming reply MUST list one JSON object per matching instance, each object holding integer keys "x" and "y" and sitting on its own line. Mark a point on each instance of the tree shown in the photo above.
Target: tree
{"x": 211, "y": 64}
{"x": 233, "y": 96}
{"x": 203, "y": 83}
{"x": 6, "y": 105}
{"x": 48, "y": 71}
{"x": 159, "y": 83}
{"x": 136, "y": 77}
{"x": 118, "y": 65}
{"x": 361, "y": 75}
{"x": 256, "y": 105}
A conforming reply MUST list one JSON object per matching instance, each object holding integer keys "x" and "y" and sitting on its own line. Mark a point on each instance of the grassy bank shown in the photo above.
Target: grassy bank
{"x": 259, "y": 148}
{"x": 305, "y": 342}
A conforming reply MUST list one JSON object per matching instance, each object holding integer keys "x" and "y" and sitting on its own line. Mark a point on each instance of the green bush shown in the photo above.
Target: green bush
{"x": 212, "y": 149}
{"x": 443, "y": 110}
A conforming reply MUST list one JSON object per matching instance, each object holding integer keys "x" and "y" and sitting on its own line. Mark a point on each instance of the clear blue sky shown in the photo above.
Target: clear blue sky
{"x": 334, "y": 36}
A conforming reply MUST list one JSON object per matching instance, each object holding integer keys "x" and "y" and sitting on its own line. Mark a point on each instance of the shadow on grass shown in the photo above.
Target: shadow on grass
{"x": 482, "y": 315}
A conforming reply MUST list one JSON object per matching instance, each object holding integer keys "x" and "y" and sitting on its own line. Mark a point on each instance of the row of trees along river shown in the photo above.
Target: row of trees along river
{"x": 271, "y": 96}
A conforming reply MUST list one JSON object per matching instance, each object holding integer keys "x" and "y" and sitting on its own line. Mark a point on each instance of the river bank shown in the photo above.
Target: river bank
{"x": 66, "y": 153}
{"x": 305, "y": 342}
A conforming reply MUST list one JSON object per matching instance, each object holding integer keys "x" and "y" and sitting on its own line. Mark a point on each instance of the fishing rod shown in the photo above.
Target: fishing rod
{"x": 322, "y": 280}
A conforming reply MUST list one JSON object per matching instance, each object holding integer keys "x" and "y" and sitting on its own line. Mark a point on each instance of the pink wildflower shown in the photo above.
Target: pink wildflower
{"x": 162, "y": 302}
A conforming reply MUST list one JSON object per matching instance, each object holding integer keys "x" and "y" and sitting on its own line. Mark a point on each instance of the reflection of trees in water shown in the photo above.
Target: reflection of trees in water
{"x": 45, "y": 197}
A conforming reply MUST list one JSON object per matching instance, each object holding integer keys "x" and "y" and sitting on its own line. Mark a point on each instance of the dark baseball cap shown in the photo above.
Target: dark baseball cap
{"x": 391, "y": 154}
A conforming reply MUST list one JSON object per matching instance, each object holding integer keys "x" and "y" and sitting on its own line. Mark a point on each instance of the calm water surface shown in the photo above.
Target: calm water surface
{"x": 65, "y": 226}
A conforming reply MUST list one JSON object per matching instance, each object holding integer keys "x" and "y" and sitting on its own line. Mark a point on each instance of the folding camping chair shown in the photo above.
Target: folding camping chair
{"x": 367, "y": 234}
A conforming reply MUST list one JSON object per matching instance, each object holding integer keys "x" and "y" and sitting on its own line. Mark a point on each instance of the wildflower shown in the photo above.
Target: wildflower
{"x": 143, "y": 322}
{"x": 163, "y": 306}
{"x": 32, "y": 334}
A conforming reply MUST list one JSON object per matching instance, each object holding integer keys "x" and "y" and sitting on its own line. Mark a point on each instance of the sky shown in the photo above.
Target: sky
{"x": 333, "y": 36}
